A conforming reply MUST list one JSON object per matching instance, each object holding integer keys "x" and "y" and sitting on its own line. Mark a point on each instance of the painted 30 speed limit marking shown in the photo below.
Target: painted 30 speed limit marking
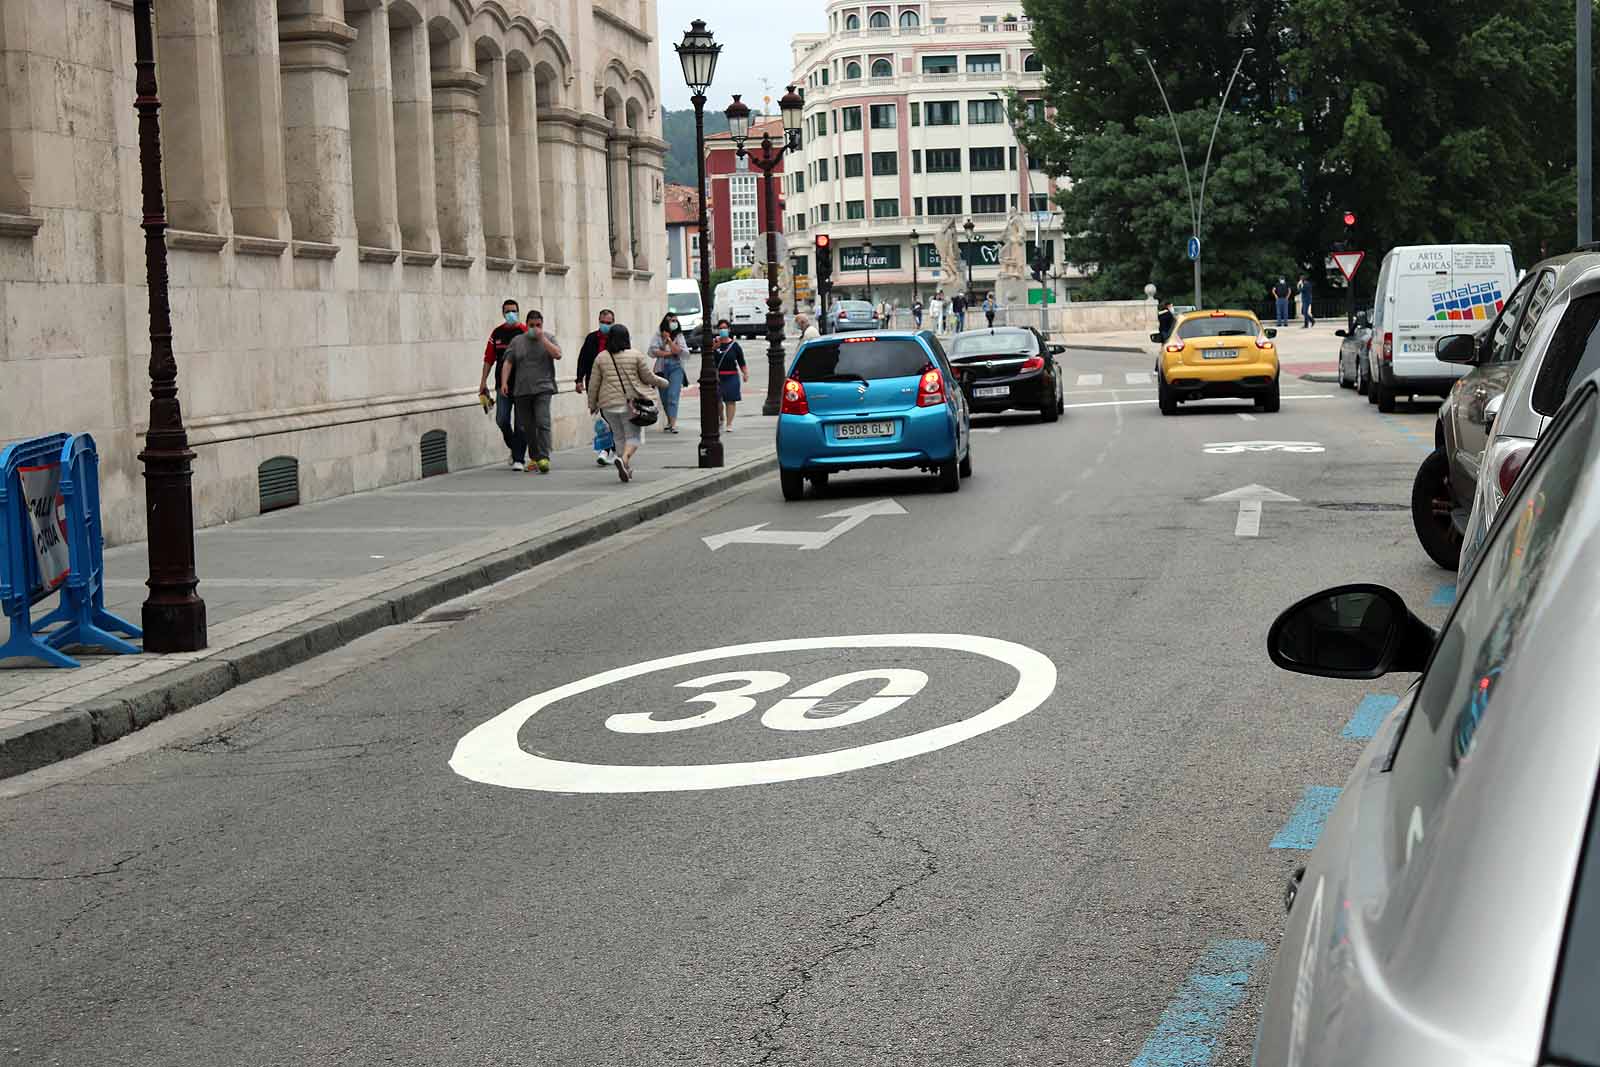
{"x": 491, "y": 754}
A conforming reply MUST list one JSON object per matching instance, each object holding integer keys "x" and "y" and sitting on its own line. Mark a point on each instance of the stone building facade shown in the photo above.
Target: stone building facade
{"x": 353, "y": 186}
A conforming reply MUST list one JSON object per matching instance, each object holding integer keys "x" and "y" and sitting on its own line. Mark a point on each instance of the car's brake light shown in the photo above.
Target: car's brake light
{"x": 1505, "y": 460}
{"x": 1262, "y": 341}
{"x": 1388, "y": 348}
{"x": 794, "y": 399}
{"x": 1218, "y": 314}
{"x": 1033, "y": 363}
{"x": 1175, "y": 346}
{"x": 931, "y": 392}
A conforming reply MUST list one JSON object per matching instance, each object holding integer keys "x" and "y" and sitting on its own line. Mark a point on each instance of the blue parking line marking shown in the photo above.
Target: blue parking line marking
{"x": 1369, "y": 715}
{"x": 1443, "y": 597}
{"x": 1186, "y": 1035}
{"x": 1306, "y": 821}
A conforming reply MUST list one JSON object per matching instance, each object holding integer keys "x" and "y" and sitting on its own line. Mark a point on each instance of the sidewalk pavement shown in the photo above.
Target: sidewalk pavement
{"x": 292, "y": 584}
{"x": 1299, "y": 351}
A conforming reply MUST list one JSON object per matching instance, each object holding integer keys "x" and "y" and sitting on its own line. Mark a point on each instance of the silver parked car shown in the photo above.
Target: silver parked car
{"x": 1353, "y": 349}
{"x": 1450, "y": 914}
{"x": 850, "y": 315}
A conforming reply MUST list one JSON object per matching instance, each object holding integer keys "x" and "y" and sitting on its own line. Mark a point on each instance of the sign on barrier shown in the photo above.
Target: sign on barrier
{"x": 51, "y": 541}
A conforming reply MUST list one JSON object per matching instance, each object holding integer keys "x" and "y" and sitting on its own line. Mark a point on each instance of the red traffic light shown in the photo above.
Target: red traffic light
{"x": 1349, "y": 218}
{"x": 822, "y": 240}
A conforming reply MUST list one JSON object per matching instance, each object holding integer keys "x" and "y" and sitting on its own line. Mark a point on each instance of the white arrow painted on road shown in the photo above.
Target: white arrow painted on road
{"x": 805, "y": 540}
{"x": 1250, "y": 498}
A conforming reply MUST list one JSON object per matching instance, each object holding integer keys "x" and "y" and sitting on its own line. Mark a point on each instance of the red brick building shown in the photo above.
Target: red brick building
{"x": 739, "y": 197}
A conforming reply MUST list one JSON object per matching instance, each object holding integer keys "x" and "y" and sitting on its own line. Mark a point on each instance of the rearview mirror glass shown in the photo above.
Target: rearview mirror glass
{"x": 1457, "y": 348}
{"x": 1157, "y": 338}
{"x": 1351, "y": 631}
{"x": 1270, "y": 332}
{"x": 1056, "y": 350}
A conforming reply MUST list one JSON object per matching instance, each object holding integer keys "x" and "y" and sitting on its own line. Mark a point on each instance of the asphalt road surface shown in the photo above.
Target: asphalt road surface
{"x": 1019, "y": 852}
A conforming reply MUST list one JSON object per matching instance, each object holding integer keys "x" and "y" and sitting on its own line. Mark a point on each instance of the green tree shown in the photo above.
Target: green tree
{"x": 677, "y": 129}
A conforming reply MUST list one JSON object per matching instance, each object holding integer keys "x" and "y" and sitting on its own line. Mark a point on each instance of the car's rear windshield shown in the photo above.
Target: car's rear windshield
{"x": 994, "y": 344}
{"x": 1217, "y": 326}
{"x": 870, "y": 358}
{"x": 854, "y": 305}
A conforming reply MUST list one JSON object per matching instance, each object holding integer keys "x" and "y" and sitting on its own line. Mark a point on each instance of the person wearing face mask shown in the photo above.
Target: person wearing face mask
{"x": 668, "y": 350}
{"x": 731, "y": 369}
{"x": 494, "y": 354}
{"x": 530, "y": 380}
{"x": 592, "y": 346}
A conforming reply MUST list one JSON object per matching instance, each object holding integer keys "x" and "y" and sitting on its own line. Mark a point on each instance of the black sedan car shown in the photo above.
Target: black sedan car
{"x": 1009, "y": 368}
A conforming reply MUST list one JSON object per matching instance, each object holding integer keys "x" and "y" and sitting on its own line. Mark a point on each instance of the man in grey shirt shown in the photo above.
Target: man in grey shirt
{"x": 530, "y": 370}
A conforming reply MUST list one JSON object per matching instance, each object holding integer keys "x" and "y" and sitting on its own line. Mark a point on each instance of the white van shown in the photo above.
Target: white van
{"x": 1425, "y": 292}
{"x": 683, "y": 300}
{"x": 743, "y": 302}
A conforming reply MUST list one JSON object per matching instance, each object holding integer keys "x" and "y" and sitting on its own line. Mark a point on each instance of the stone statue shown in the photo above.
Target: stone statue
{"x": 948, "y": 245}
{"x": 1014, "y": 248}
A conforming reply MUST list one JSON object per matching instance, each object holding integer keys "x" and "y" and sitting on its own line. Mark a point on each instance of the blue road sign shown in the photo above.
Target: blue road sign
{"x": 1194, "y": 248}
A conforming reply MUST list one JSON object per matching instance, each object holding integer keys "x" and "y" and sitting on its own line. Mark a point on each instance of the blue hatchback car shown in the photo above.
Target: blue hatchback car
{"x": 880, "y": 399}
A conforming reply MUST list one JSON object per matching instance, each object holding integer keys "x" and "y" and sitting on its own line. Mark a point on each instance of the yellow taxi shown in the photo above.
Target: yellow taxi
{"x": 1217, "y": 354}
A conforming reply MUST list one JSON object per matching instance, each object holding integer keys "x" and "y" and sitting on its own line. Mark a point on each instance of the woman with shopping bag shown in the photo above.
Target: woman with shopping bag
{"x": 619, "y": 390}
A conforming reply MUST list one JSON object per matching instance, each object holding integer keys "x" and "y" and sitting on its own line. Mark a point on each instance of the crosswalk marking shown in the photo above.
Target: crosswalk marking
{"x": 1089, "y": 379}
{"x": 1138, "y": 377}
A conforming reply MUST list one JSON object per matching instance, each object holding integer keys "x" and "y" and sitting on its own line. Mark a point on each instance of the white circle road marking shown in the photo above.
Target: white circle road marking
{"x": 1230, "y": 448}
{"x": 490, "y": 754}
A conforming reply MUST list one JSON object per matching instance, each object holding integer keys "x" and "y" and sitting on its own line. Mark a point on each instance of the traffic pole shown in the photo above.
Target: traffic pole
{"x": 1585, "y": 126}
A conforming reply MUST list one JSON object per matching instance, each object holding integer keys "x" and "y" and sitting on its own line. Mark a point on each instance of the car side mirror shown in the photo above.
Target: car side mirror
{"x": 1056, "y": 350}
{"x": 1491, "y": 410}
{"x": 1457, "y": 348}
{"x": 1340, "y": 333}
{"x": 1271, "y": 332}
{"x": 1157, "y": 338}
{"x": 1350, "y": 631}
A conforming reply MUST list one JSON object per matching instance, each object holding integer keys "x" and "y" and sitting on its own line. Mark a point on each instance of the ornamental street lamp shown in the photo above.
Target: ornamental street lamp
{"x": 866, "y": 257}
{"x": 970, "y": 227}
{"x": 698, "y": 54}
{"x": 173, "y": 615}
{"x": 791, "y": 107}
{"x": 916, "y": 254}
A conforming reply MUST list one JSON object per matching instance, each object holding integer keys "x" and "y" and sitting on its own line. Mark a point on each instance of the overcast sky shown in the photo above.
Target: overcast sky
{"x": 754, "y": 35}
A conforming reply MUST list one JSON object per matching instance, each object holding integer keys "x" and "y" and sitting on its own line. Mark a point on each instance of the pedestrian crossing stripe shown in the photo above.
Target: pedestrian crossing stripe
{"x": 1141, "y": 377}
{"x": 1089, "y": 379}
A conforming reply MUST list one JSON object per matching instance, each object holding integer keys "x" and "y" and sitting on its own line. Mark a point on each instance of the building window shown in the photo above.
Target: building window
{"x": 852, "y": 165}
{"x": 988, "y": 63}
{"x": 886, "y": 209}
{"x": 824, "y": 75}
{"x": 985, "y": 112}
{"x": 916, "y": 205}
{"x": 928, "y": 255}
{"x": 851, "y": 117}
{"x": 883, "y": 117}
{"x": 799, "y": 222}
{"x": 1038, "y": 201}
{"x": 987, "y": 159}
{"x": 916, "y": 114}
{"x": 944, "y": 205}
{"x": 802, "y": 264}
{"x": 994, "y": 204}
{"x": 908, "y": 20}
{"x": 879, "y": 20}
{"x": 916, "y": 161}
{"x": 943, "y": 112}
{"x": 1036, "y": 110}
{"x": 938, "y": 64}
{"x": 852, "y": 71}
{"x": 1032, "y": 64}
{"x": 944, "y": 160}
{"x": 822, "y": 212}
{"x": 852, "y": 22}
{"x": 799, "y": 183}
{"x": 882, "y": 68}
{"x": 822, "y": 170}
{"x": 855, "y": 209}
{"x": 742, "y": 224}
{"x": 1013, "y": 201}
{"x": 1012, "y": 158}
{"x": 885, "y": 163}
{"x": 822, "y": 124}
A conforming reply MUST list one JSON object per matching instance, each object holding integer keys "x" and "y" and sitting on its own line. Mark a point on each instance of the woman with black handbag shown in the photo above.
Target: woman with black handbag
{"x": 620, "y": 390}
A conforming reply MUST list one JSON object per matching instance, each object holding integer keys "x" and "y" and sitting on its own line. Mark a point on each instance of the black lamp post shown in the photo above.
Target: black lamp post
{"x": 971, "y": 228}
{"x": 866, "y": 257}
{"x": 916, "y": 255}
{"x": 174, "y": 616}
{"x": 698, "y": 54}
{"x": 791, "y": 107}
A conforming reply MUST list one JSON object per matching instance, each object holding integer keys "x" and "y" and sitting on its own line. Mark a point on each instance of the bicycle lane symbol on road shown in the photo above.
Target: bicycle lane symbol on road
{"x": 490, "y": 753}
{"x": 1234, "y": 448}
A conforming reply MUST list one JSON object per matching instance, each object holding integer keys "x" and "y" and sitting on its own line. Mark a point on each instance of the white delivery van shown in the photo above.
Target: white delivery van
{"x": 1425, "y": 292}
{"x": 743, "y": 302}
{"x": 683, "y": 300}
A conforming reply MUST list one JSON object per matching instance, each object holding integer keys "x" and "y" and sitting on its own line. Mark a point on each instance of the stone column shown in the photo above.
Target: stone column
{"x": 527, "y": 185}
{"x": 372, "y": 129}
{"x": 649, "y": 156}
{"x": 494, "y": 160}
{"x": 257, "y": 192}
{"x": 189, "y": 65}
{"x": 413, "y": 137}
{"x": 559, "y": 188}
{"x": 617, "y": 210}
{"x": 16, "y": 118}
{"x": 316, "y": 118}
{"x": 455, "y": 158}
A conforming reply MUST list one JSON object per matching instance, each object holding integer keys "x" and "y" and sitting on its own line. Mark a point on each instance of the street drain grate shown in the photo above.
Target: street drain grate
{"x": 1363, "y": 505}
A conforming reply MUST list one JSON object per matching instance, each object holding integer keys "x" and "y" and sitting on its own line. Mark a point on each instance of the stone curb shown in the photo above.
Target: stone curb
{"x": 31, "y": 745}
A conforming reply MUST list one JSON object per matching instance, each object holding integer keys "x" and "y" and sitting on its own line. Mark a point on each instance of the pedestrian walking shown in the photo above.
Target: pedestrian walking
{"x": 885, "y": 311}
{"x": 620, "y": 377}
{"x": 494, "y": 354}
{"x": 731, "y": 370}
{"x": 593, "y": 345}
{"x": 1307, "y": 319}
{"x": 529, "y": 377}
{"x": 669, "y": 351}
{"x": 936, "y": 311}
{"x": 958, "y": 310}
{"x": 989, "y": 308}
{"x": 1280, "y": 293}
{"x": 807, "y": 328}
{"x": 916, "y": 313}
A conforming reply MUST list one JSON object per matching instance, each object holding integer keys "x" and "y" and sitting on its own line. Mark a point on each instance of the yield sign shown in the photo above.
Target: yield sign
{"x": 1348, "y": 263}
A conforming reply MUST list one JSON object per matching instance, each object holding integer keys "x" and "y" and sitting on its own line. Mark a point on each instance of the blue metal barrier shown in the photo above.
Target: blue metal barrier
{"x": 69, "y": 519}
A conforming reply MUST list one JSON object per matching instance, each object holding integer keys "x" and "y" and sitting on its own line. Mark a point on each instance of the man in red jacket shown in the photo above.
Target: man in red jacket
{"x": 494, "y": 354}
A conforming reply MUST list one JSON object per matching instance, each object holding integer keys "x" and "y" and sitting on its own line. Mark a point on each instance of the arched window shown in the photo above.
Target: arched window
{"x": 852, "y": 22}
{"x": 908, "y": 20}
{"x": 882, "y": 68}
{"x": 852, "y": 71}
{"x": 1033, "y": 64}
{"x": 879, "y": 20}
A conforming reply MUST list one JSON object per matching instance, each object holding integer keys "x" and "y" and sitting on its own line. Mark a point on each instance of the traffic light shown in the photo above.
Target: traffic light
{"x": 1349, "y": 218}
{"x": 1041, "y": 267}
{"x": 824, "y": 262}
